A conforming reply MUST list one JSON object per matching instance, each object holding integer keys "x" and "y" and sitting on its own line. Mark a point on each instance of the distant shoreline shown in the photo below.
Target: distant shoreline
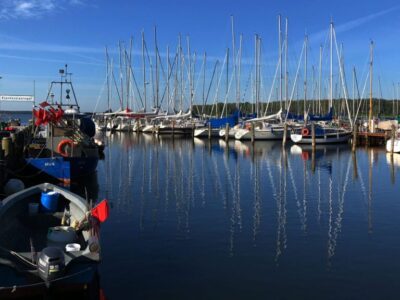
{"x": 16, "y": 112}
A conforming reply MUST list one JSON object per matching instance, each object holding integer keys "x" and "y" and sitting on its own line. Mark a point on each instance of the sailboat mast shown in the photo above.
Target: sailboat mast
{"x": 204, "y": 78}
{"x": 331, "y": 67}
{"x": 128, "y": 72}
{"x": 181, "y": 71}
{"x": 280, "y": 59}
{"x": 168, "y": 74}
{"x": 234, "y": 63}
{"x": 227, "y": 75}
{"x": 157, "y": 71}
{"x": 370, "y": 86}
{"x": 240, "y": 66}
{"x": 286, "y": 63}
{"x": 380, "y": 96}
{"x": 320, "y": 79}
{"x": 108, "y": 80}
{"x": 144, "y": 73}
{"x": 305, "y": 73}
{"x": 121, "y": 76}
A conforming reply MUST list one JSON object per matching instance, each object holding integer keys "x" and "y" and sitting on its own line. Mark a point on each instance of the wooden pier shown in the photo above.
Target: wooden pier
{"x": 373, "y": 138}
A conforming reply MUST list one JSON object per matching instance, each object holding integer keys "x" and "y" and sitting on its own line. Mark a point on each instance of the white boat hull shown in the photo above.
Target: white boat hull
{"x": 259, "y": 134}
{"x": 331, "y": 138}
{"x": 203, "y": 132}
{"x": 389, "y": 145}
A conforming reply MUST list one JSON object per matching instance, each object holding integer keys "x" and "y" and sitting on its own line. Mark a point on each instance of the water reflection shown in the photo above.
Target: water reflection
{"x": 237, "y": 198}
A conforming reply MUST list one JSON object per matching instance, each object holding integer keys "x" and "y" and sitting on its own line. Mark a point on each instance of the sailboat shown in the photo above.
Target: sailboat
{"x": 325, "y": 133}
{"x": 266, "y": 127}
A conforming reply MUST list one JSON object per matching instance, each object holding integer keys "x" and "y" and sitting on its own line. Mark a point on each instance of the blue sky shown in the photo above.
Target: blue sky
{"x": 37, "y": 37}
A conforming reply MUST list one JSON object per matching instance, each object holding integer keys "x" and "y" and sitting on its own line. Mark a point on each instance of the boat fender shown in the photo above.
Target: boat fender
{"x": 305, "y": 131}
{"x": 13, "y": 186}
{"x": 61, "y": 148}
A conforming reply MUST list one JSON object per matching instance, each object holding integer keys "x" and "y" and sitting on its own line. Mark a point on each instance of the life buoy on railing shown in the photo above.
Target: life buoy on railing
{"x": 61, "y": 147}
{"x": 305, "y": 131}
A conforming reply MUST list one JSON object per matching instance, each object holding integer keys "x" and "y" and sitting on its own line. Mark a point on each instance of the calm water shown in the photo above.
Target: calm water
{"x": 193, "y": 220}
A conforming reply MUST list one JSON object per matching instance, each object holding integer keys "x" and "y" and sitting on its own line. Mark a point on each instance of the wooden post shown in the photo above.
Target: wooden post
{"x": 313, "y": 161}
{"x": 1, "y": 152}
{"x": 193, "y": 129}
{"x": 6, "y": 146}
{"x": 209, "y": 131}
{"x": 173, "y": 128}
{"x": 393, "y": 139}
{"x": 227, "y": 132}
{"x": 313, "y": 135}
{"x": 355, "y": 169}
{"x": 285, "y": 128}
{"x": 252, "y": 132}
{"x": 354, "y": 144}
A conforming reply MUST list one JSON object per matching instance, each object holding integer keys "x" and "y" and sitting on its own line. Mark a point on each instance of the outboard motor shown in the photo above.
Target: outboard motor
{"x": 51, "y": 263}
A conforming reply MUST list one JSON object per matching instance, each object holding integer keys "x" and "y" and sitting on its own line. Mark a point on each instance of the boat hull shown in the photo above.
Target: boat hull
{"x": 245, "y": 134}
{"x": 322, "y": 139}
{"x": 203, "y": 132}
{"x": 64, "y": 169}
{"x": 396, "y": 146}
{"x": 175, "y": 130}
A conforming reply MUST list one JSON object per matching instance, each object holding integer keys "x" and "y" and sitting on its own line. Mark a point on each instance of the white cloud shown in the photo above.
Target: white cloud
{"x": 25, "y": 9}
{"x": 352, "y": 24}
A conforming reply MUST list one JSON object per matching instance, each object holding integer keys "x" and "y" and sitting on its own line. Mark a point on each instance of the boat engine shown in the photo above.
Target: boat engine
{"x": 51, "y": 263}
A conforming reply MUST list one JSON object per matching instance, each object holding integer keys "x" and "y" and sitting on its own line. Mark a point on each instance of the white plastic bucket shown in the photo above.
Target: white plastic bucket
{"x": 72, "y": 247}
{"x": 33, "y": 209}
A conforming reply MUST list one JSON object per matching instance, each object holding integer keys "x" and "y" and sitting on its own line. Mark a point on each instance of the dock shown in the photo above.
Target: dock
{"x": 373, "y": 138}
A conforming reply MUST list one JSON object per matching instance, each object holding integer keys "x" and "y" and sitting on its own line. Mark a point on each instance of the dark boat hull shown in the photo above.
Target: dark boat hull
{"x": 81, "y": 281}
{"x": 64, "y": 168}
{"x": 175, "y": 130}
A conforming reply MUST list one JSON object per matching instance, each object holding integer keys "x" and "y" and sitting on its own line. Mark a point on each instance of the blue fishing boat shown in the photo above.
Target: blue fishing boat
{"x": 62, "y": 146}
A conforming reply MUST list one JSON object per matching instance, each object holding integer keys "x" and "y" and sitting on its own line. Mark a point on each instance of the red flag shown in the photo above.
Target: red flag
{"x": 59, "y": 114}
{"x": 44, "y": 104}
{"x": 45, "y": 117}
{"x": 101, "y": 211}
{"x": 39, "y": 116}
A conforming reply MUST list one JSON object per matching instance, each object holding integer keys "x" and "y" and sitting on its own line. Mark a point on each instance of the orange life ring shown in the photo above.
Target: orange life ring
{"x": 61, "y": 147}
{"x": 305, "y": 131}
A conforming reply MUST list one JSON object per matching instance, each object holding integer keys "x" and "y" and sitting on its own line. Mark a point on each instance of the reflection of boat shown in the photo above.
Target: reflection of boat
{"x": 55, "y": 245}
{"x": 395, "y": 159}
{"x": 259, "y": 149}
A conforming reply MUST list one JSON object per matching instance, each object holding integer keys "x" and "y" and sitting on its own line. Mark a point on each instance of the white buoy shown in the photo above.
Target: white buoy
{"x": 13, "y": 186}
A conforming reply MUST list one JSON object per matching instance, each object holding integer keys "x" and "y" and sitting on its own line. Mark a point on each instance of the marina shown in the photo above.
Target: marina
{"x": 244, "y": 160}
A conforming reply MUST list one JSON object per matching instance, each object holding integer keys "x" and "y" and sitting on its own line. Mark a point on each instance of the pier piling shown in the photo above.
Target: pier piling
{"x": 252, "y": 132}
{"x": 209, "y": 131}
{"x": 355, "y": 138}
{"x": 227, "y": 132}
{"x": 285, "y": 127}
{"x": 6, "y": 146}
{"x": 313, "y": 135}
{"x": 393, "y": 139}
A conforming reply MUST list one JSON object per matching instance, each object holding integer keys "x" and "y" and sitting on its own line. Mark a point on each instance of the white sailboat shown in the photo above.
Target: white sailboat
{"x": 394, "y": 143}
